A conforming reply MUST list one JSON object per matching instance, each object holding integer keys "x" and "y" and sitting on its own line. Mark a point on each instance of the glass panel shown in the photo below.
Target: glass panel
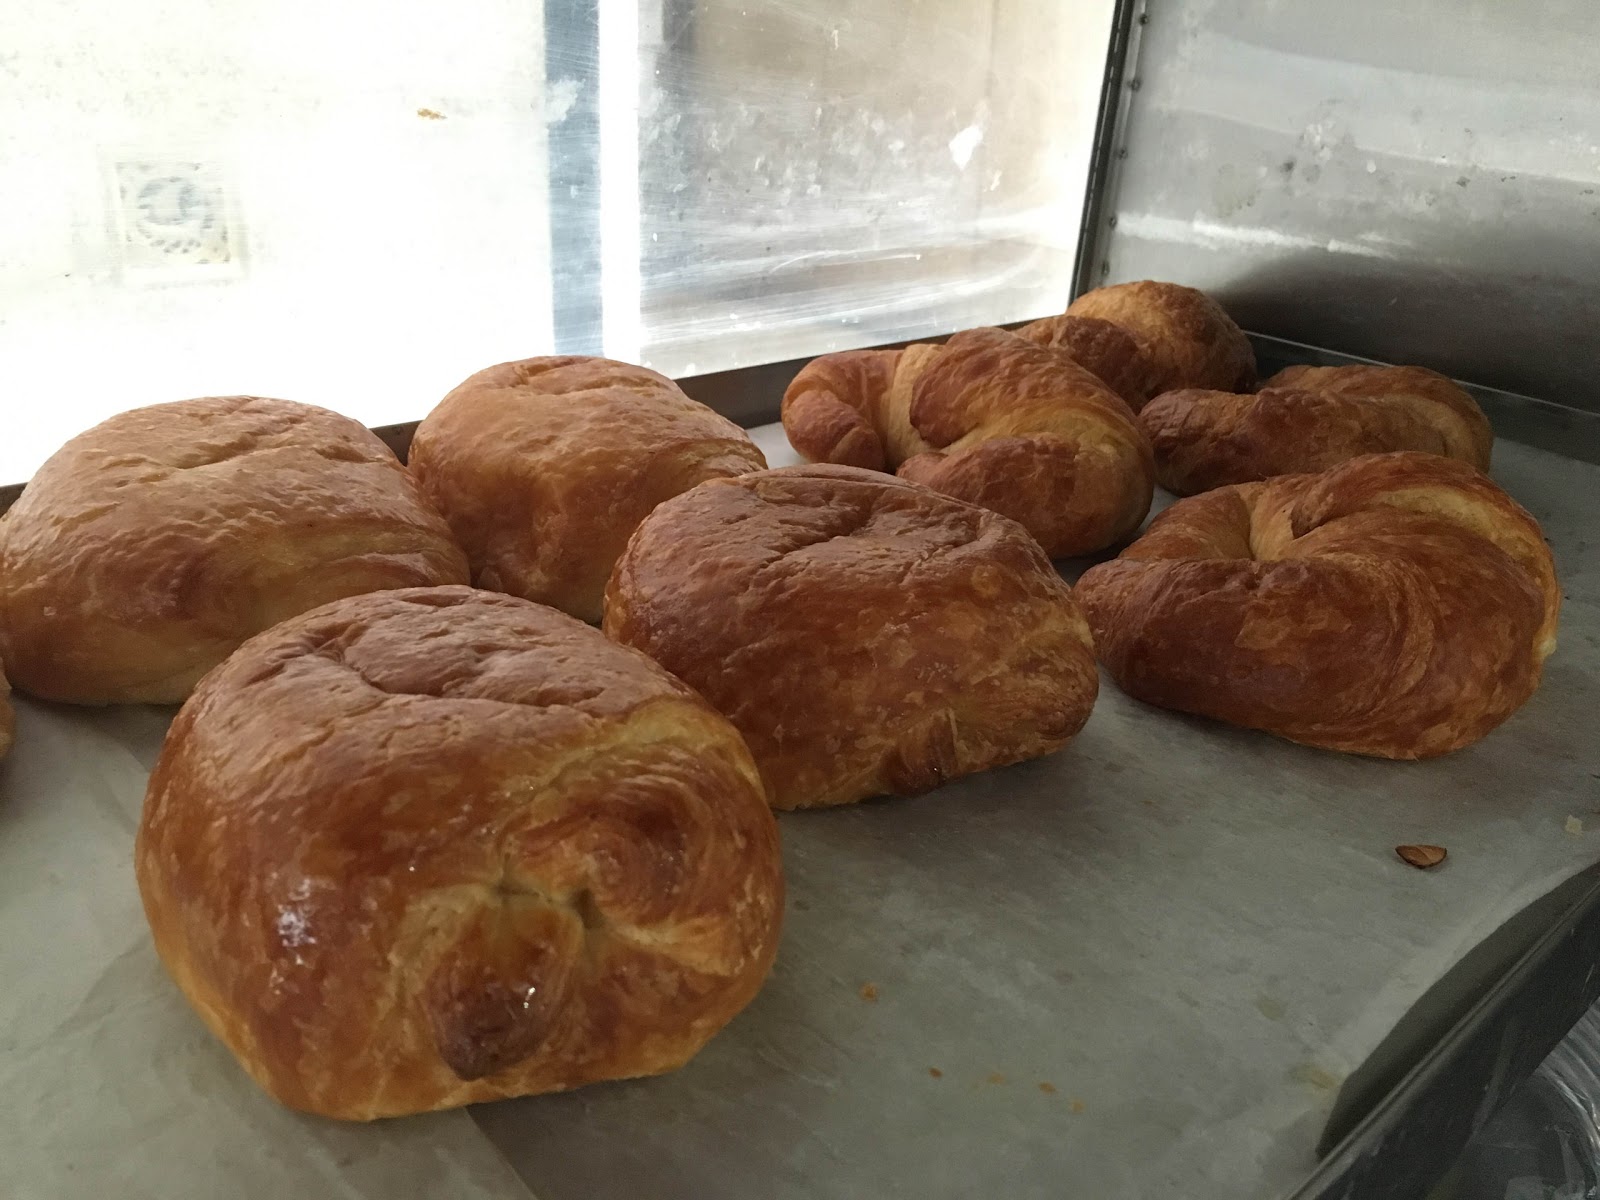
{"x": 337, "y": 203}
{"x": 359, "y": 204}
{"x": 836, "y": 173}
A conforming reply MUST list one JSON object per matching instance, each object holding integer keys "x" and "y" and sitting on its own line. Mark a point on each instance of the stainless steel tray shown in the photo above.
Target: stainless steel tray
{"x": 1157, "y": 963}
{"x": 1148, "y": 965}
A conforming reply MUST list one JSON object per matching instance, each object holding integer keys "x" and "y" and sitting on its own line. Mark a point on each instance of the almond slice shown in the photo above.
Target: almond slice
{"x": 1421, "y": 857}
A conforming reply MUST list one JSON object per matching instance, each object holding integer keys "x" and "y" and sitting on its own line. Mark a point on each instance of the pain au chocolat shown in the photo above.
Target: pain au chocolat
{"x": 428, "y": 847}
{"x": 148, "y": 548}
{"x": 866, "y": 635}
{"x": 543, "y": 468}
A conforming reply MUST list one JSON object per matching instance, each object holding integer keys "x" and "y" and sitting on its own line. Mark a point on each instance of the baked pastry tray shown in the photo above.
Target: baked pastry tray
{"x": 1169, "y": 960}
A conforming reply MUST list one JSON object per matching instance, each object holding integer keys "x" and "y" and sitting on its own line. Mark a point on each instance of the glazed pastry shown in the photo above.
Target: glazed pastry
{"x": 147, "y": 549}
{"x": 430, "y": 847}
{"x": 544, "y": 467}
{"x": 865, "y": 635}
{"x": 988, "y": 417}
{"x": 1400, "y": 605}
{"x": 1310, "y": 419}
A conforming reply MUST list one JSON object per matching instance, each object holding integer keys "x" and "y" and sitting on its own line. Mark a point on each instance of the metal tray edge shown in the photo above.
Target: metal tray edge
{"x": 1413, "y": 1135}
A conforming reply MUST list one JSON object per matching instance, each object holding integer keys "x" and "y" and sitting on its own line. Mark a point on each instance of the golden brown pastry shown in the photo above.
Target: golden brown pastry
{"x": 1310, "y": 419}
{"x": 146, "y": 549}
{"x": 8, "y": 719}
{"x": 988, "y": 417}
{"x": 544, "y": 467}
{"x": 1400, "y": 605}
{"x": 1106, "y": 351}
{"x": 428, "y": 847}
{"x": 1185, "y": 333}
{"x": 865, "y": 635}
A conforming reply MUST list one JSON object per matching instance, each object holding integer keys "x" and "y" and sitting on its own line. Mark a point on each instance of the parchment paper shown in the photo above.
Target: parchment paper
{"x": 1142, "y": 967}
{"x": 110, "y": 1087}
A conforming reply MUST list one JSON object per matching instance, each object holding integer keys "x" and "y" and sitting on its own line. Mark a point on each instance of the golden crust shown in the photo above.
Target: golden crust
{"x": 8, "y": 718}
{"x": 544, "y": 467}
{"x": 1186, "y": 334}
{"x": 429, "y": 847}
{"x": 149, "y": 547}
{"x": 1400, "y": 605}
{"x": 1310, "y": 419}
{"x": 991, "y": 418}
{"x": 865, "y": 635}
{"x": 1106, "y": 351}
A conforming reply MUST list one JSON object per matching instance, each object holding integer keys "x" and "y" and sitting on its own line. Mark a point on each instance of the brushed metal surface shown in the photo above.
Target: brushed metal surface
{"x": 1198, "y": 936}
{"x": 1145, "y": 966}
{"x": 1408, "y": 182}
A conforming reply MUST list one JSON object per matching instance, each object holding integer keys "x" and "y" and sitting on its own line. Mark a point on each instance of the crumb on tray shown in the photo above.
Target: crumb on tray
{"x": 1421, "y": 857}
{"x": 869, "y": 991}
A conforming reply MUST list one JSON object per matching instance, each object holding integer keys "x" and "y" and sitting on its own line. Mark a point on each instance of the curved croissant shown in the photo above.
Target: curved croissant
{"x": 988, "y": 417}
{"x": 1189, "y": 339}
{"x": 1400, "y": 605}
{"x": 1310, "y": 419}
{"x": 1108, "y": 352}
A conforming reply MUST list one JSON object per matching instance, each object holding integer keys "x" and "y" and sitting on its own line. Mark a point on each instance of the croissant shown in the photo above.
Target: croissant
{"x": 1106, "y": 351}
{"x": 434, "y": 846}
{"x": 988, "y": 417}
{"x": 864, "y": 634}
{"x": 1400, "y": 605}
{"x": 1189, "y": 339}
{"x": 544, "y": 467}
{"x": 1310, "y": 419}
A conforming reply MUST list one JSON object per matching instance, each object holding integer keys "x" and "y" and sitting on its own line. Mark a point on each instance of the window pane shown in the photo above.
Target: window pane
{"x": 359, "y": 204}
{"x": 843, "y": 172}
{"x": 338, "y": 203}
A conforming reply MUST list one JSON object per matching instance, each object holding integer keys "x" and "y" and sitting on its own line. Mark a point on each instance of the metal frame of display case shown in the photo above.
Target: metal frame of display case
{"x": 1396, "y": 1127}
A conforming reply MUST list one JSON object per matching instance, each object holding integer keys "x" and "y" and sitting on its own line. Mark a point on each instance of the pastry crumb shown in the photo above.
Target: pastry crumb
{"x": 869, "y": 991}
{"x": 1077, "y": 1106}
{"x": 1421, "y": 857}
{"x": 430, "y": 114}
{"x": 1574, "y": 825}
{"x": 1048, "y": 1088}
{"x": 935, "y": 1072}
{"x": 995, "y": 1077}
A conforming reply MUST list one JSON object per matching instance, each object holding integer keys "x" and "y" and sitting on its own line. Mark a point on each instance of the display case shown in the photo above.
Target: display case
{"x": 1177, "y": 958}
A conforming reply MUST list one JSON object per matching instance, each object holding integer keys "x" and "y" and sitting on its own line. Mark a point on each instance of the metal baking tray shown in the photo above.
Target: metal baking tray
{"x": 1175, "y": 958}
